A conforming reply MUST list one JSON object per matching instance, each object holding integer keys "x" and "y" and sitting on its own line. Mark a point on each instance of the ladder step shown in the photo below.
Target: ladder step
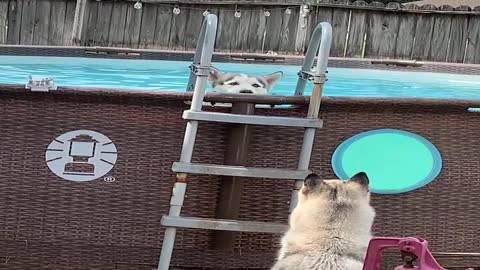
{"x": 253, "y": 119}
{"x": 241, "y": 171}
{"x": 223, "y": 224}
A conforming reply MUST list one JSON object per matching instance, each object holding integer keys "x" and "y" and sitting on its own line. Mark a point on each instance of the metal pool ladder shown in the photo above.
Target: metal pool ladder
{"x": 320, "y": 41}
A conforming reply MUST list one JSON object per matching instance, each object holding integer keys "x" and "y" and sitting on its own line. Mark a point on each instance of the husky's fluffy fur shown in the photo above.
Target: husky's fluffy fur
{"x": 331, "y": 226}
{"x": 237, "y": 83}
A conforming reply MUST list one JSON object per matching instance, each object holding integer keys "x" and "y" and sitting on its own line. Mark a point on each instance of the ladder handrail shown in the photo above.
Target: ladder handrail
{"x": 200, "y": 72}
{"x": 201, "y": 57}
{"x": 203, "y": 60}
{"x": 320, "y": 41}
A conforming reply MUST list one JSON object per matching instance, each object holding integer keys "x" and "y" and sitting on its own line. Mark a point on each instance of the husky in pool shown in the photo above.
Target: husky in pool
{"x": 331, "y": 226}
{"x": 238, "y": 83}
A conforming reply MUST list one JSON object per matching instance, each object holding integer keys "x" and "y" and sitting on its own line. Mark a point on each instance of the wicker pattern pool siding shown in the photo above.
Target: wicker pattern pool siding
{"x": 50, "y": 223}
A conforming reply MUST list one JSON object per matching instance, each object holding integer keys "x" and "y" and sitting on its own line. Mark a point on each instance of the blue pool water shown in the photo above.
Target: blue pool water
{"x": 173, "y": 75}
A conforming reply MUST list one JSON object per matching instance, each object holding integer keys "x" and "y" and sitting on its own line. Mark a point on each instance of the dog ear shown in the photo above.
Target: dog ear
{"x": 361, "y": 178}
{"x": 312, "y": 180}
{"x": 214, "y": 76}
{"x": 273, "y": 78}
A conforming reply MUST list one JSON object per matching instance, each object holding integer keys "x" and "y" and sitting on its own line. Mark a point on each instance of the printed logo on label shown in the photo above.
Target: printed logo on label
{"x": 81, "y": 155}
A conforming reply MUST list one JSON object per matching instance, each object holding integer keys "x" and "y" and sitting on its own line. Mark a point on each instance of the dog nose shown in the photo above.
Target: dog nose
{"x": 246, "y": 91}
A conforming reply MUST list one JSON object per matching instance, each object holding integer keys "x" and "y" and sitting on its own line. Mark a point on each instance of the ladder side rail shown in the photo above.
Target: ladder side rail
{"x": 196, "y": 59}
{"x": 202, "y": 70}
{"x": 308, "y": 61}
{"x": 202, "y": 73}
{"x": 323, "y": 32}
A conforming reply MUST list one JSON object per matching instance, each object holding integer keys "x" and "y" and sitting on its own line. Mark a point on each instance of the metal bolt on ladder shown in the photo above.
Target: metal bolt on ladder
{"x": 320, "y": 41}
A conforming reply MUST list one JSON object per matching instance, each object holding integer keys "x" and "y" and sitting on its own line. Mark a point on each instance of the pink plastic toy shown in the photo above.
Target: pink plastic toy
{"x": 412, "y": 249}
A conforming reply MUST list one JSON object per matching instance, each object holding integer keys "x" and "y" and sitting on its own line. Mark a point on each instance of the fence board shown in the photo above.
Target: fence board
{"x": 147, "y": 30}
{"x": 56, "y": 27}
{"x": 117, "y": 23}
{"x": 340, "y": 25}
{"x": 311, "y": 24}
{"x": 246, "y": 28}
{"x": 193, "y": 27}
{"x": 3, "y": 21}
{"x": 80, "y": 33}
{"x": 273, "y": 29}
{"x": 473, "y": 50}
{"x": 68, "y": 25}
{"x": 406, "y": 36}
{"x": 324, "y": 14}
{"x": 102, "y": 27}
{"x": 301, "y": 29}
{"x": 42, "y": 20}
{"x": 375, "y": 25}
{"x": 88, "y": 37}
{"x": 177, "y": 32}
{"x": 242, "y": 25}
{"x": 236, "y": 30}
{"x": 458, "y": 39}
{"x": 28, "y": 22}
{"x": 381, "y": 34}
{"x": 289, "y": 30}
{"x": 440, "y": 38}
{"x": 320, "y": 14}
{"x": 356, "y": 34}
{"x": 235, "y": 27}
{"x": 132, "y": 27}
{"x": 163, "y": 27}
{"x": 391, "y": 23}
{"x": 423, "y": 37}
{"x": 257, "y": 30}
{"x": 14, "y": 21}
{"x": 222, "y": 42}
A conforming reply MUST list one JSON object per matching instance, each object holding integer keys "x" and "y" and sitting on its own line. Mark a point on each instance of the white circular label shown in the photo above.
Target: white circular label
{"x": 81, "y": 155}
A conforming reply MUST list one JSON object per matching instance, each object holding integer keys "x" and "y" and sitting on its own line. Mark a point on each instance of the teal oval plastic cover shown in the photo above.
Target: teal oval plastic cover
{"x": 395, "y": 161}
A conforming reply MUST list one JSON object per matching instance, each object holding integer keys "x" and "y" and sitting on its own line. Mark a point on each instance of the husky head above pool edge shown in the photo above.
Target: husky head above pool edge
{"x": 239, "y": 83}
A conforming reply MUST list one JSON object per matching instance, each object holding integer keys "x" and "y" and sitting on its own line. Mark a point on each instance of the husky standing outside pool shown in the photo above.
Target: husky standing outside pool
{"x": 331, "y": 226}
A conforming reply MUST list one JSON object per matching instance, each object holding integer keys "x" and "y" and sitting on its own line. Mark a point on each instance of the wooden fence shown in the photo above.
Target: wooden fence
{"x": 442, "y": 34}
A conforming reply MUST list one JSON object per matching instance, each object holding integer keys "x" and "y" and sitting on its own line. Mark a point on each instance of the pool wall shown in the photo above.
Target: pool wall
{"x": 50, "y": 223}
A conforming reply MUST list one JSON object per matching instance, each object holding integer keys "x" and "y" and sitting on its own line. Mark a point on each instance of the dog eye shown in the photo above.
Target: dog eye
{"x": 233, "y": 83}
{"x": 256, "y": 85}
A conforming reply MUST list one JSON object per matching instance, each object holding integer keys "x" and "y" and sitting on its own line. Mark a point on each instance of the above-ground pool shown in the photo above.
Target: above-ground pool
{"x": 96, "y": 202}
{"x": 173, "y": 75}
